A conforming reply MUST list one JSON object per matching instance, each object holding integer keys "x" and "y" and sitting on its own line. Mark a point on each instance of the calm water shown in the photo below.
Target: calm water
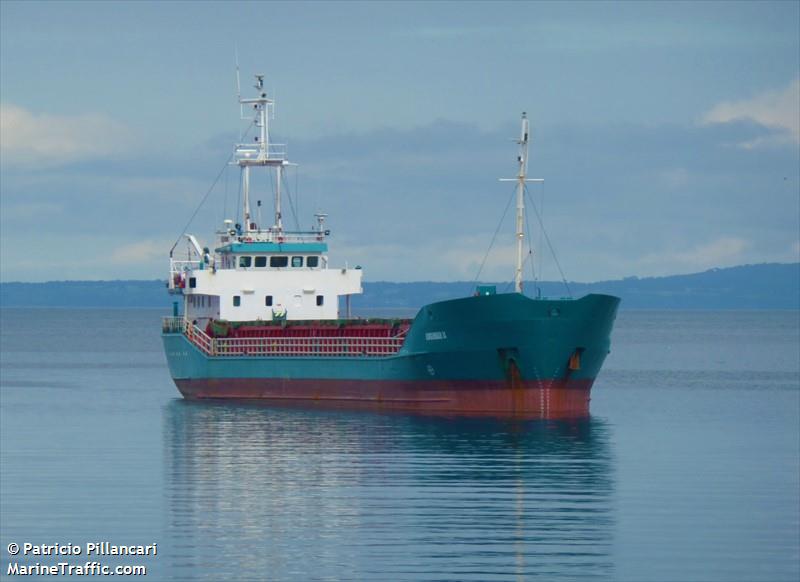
{"x": 688, "y": 468}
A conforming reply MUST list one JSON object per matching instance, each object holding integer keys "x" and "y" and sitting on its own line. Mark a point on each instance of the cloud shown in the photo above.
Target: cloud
{"x": 778, "y": 110}
{"x": 724, "y": 251}
{"x": 453, "y": 32}
{"x": 140, "y": 252}
{"x": 456, "y": 258}
{"x": 31, "y": 211}
{"x": 619, "y": 201}
{"x": 41, "y": 139}
{"x": 676, "y": 178}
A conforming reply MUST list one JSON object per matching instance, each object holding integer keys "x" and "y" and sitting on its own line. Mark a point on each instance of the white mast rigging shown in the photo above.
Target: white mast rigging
{"x": 262, "y": 153}
{"x": 522, "y": 159}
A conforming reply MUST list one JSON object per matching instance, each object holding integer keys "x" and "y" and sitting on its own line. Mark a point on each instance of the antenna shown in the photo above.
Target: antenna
{"x": 238, "y": 84}
{"x": 236, "y": 58}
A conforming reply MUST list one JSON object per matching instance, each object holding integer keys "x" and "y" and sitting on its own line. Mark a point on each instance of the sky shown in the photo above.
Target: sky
{"x": 668, "y": 134}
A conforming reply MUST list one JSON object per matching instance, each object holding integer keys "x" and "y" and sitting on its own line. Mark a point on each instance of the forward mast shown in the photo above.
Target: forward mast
{"x": 521, "y": 179}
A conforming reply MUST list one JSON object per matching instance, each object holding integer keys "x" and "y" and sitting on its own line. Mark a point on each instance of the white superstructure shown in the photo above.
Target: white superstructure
{"x": 254, "y": 273}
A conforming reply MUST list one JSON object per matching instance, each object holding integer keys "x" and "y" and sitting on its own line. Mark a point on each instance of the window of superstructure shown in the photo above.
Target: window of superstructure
{"x": 320, "y": 299}
{"x": 312, "y": 262}
{"x": 261, "y": 262}
{"x": 237, "y": 300}
{"x": 192, "y": 282}
{"x": 268, "y": 301}
{"x": 297, "y": 261}
{"x": 278, "y": 261}
{"x": 245, "y": 262}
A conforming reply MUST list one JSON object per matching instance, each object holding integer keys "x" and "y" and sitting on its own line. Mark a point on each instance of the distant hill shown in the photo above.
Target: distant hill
{"x": 765, "y": 286}
{"x": 151, "y": 293}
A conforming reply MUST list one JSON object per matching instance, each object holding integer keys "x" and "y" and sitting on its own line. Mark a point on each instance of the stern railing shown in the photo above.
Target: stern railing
{"x": 173, "y": 324}
{"x": 177, "y": 273}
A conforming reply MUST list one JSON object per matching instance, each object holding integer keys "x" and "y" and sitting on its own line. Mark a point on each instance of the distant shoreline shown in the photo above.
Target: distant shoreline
{"x": 382, "y": 310}
{"x": 768, "y": 286}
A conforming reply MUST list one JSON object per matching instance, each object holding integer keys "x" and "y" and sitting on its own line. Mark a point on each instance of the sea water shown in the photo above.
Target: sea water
{"x": 688, "y": 468}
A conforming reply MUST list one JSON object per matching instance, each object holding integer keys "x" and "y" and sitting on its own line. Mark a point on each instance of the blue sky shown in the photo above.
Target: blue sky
{"x": 667, "y": 133}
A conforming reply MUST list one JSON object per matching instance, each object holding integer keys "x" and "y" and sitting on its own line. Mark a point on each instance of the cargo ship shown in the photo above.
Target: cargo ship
{"x": 257, "y": 317}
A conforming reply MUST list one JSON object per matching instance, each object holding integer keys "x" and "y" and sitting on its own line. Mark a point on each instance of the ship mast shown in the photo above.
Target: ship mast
{"x": 522, "y": 160}
{"x": 261, "y": 153}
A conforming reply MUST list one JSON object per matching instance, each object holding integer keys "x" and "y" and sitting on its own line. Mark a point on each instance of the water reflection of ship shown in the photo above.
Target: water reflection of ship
{"x": 286, "y": 493}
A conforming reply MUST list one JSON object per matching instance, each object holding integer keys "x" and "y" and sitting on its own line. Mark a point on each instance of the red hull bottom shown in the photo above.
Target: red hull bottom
{"x": 545, "y": 399}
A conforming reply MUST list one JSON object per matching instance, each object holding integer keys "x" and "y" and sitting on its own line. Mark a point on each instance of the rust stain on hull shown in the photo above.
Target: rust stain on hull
{"x": 513, "y": 396}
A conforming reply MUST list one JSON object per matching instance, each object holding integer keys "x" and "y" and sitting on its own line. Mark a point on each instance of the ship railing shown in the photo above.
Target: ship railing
{"x": 308, "y": 346}
{"x": 178, "y": 270}
{"x": 308, "y": 236}
{"x": 285, "y": 346}
{"x": 275, "y": 236}
{"x": 250, "y": 151}
{"x": 193, "y": 333}
{"x": 200, "y": 338}
{"x": 173, "y": 324}
{"x": 401, "y": 334}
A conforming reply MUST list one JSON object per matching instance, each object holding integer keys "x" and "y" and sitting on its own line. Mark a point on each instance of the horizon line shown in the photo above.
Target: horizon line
{"x": 463, "y": 281}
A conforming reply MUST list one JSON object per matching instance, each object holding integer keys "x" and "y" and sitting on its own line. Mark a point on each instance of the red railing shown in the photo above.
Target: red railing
{"x": 287, "y": 346}
{"x": 201, "y": 339}
{"x": 308, "y": 346}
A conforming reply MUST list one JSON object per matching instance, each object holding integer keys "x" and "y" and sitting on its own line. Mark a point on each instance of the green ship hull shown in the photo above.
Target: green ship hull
{"x": 503, "y": 353}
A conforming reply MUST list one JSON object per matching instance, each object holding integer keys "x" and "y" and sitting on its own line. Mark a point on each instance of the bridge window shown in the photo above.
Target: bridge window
{"x": 297, "y": 261}
{"x": 237, "y": 300}
{"x": 268, "y": 301}
{"x": 312, "y": 262}
{"x": 278, "y": 261}
{"x": 261, "y": 262}
{"x": 320, "y": 299}
{"x": 192, "y": 282}
{"x": 245, "y": 262}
